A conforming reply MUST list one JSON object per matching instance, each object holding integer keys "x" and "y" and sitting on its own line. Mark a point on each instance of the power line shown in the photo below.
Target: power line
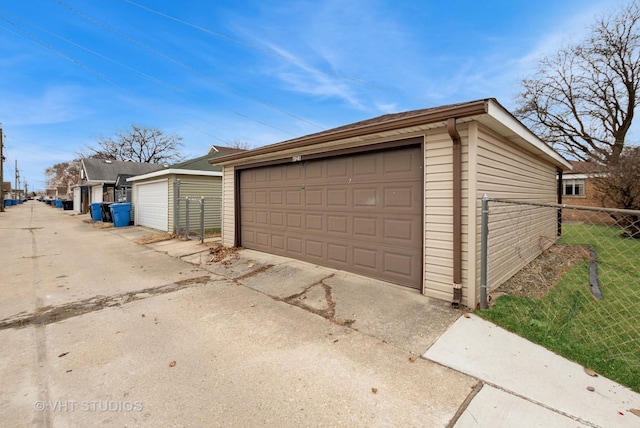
{"x": 183, "y": 65}
{"x": 41, "y": 42}
{"x": 276, "y": 53}
{"x": 265, "y": 124}
{"x": 144, "y": 75}
{"x": 99, "y": 55}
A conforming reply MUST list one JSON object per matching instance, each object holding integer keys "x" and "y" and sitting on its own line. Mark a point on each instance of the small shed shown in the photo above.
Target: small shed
{"x": 397, "y": 197}
{"x": 157, "y": 196}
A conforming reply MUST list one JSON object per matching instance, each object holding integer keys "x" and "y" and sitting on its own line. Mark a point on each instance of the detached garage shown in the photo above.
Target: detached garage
{"x": 395, "y": 197}
{"x": 151, "y": 204}
{"x": 159, "y": 196}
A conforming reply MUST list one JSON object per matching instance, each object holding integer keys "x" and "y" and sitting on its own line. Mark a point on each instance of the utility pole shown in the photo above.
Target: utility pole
{"x": 1, "y": 172}
{"x": 17, "y": 182}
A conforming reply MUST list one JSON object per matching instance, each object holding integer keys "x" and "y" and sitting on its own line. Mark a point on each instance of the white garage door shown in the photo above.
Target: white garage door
{"x": 152, "y": 205}
{"x": 96, "y": 193}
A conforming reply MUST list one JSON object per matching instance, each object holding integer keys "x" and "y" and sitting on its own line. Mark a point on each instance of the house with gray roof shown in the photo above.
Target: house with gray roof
{"x": 98, "y": 179}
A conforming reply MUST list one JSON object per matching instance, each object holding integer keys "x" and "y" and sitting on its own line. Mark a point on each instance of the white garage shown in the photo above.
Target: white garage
{"x": 151, "y": 204}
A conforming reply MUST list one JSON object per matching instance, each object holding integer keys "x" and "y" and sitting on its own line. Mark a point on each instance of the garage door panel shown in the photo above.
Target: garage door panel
{"x": 315, "y": 249}
{"x": 314, "y": 223}
{"x": 277, "y": 219}
{"x": 337, "y": 198}
{"x": 354, "y": 213}
{"x": 152, "y": 205}
{"x": 294, "y": 246}
{"x": 277, "y": 242}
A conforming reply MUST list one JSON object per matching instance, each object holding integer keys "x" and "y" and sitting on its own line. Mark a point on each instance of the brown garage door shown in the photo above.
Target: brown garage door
{"x": 361, "y": 213}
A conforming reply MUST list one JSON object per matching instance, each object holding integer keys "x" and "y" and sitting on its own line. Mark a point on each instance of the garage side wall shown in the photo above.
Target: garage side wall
{"x": 194, "y": 187}
{"x": 517, "y": 233}
{"x": 228, "y": 206}
{"x": 438, "y": 213}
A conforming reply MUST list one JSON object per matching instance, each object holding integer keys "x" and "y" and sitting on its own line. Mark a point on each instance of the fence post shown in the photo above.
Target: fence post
{"x": 186, "y": 219}
{"x": 201, "y": 219}
{"x": 484, "y": 238}
{"x": 176, "y": 207}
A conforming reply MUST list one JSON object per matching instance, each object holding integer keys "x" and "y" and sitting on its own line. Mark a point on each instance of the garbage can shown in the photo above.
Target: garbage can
{"x": 121, "y": 214}
{"x": 96, "y": 211}
{"x": 67, "y": 205}
{"x": 59, "y": 203}
{"x": 106, "y": 212}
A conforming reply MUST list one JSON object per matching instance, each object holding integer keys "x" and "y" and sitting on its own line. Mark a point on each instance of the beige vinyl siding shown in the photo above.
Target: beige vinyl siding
{"x": 517, "y": 233}
{"x": 228, "y": 206}
{"x": 438, "y": 212}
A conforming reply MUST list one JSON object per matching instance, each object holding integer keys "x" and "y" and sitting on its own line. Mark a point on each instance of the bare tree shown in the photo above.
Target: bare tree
{"x": 63, "y": 174}
{"x": 582, "y": 99}
{"x": 237, "y": 143}
{"x": 140, "y": 144}
{"x": 619, "y": 186}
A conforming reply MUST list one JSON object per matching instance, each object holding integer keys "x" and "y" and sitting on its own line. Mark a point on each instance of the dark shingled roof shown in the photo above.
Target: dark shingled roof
{"x": 108, "y": 170}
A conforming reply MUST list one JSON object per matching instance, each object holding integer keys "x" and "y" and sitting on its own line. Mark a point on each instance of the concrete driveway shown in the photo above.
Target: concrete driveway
{"x": 96, "y": 329}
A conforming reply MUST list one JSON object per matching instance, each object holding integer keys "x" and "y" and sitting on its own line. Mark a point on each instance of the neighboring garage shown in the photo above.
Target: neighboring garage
{"x": 151, "y": 202}
{"x": 397, "y": 197}
{"x": 159, "y": 196}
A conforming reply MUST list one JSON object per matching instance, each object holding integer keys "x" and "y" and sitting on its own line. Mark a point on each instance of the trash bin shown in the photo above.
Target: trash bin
{"x": 96, "y": 211}
{"x": 59, "y": 203}
{"x": 121, "y": 214}
{"x": 67, "y": 205}
{"x": 106, "y": 212}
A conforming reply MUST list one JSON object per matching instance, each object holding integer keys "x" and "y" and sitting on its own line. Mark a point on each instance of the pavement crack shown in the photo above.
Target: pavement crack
{"x": 475, "y": 390}
{"x": 51, "y": 314}
{"x": 253, "y": 272}
{"x": 328, "y": 312}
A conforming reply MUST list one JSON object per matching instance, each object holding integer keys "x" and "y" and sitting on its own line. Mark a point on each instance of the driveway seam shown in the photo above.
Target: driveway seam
{"x": 52, "y": 314}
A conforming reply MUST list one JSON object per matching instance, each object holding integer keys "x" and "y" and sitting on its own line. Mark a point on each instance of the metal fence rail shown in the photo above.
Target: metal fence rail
{"x": 197, "y": 209}
{"x": 577, "y": 286}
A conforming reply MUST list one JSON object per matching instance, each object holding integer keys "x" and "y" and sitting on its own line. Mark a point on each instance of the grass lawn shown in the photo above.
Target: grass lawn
{"x": 603, "y": 335}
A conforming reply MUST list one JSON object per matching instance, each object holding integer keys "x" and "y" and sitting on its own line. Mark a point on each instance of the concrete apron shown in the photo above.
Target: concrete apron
{"x": 263, "y": 341}
{"x": 536, "y": 389}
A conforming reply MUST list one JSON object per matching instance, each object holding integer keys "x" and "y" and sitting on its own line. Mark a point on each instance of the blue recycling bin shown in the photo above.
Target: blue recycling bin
{"x": 96, "y": 211}
{"x": 121, "y": 214}
{"x": 58, "y": 203}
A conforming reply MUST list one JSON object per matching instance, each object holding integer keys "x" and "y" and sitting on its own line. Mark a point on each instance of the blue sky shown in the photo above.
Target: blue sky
{"x": 215, "y": 72}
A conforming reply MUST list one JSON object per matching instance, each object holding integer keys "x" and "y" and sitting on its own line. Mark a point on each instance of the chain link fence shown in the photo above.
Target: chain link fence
{"x": 197, "y": 209}
{"x": 576, "y": 288}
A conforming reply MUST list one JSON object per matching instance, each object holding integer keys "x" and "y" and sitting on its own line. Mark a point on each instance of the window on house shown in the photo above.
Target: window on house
{"x": 573, "y": 187}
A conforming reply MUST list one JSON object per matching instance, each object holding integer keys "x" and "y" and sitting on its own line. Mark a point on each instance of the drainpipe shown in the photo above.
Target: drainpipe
{"x": 457, "y": 211}
{"x": 559, "y": 197}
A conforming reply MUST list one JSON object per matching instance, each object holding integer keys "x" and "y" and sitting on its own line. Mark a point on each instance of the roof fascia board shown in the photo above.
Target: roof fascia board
{"x": 433, "y": 116}
{"x": 497, "y": 112}
{"x": 175, "y": 171}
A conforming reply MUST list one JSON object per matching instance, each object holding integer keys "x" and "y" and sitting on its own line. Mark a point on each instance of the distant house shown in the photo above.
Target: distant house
{"x": 6, "y": 190}
{"x": 158, "y": 197}
{"x": 578, "y": 189}
{"x": 62, "y": 192}
{"x": 98, "y": 179}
